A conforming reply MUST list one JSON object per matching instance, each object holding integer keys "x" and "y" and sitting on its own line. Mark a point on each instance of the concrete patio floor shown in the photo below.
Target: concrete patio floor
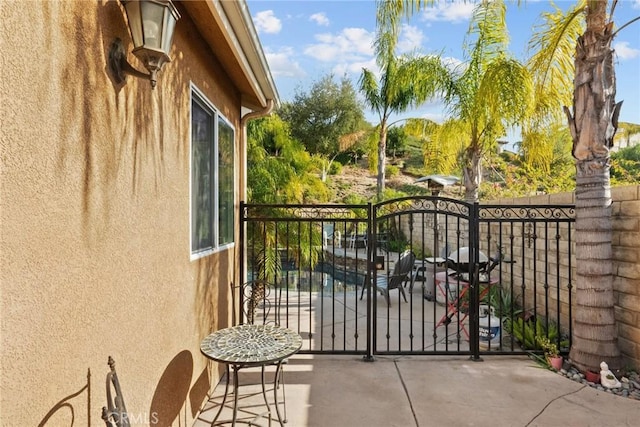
{"x": 408, "y": 391}
{"x": 344, "y": 391}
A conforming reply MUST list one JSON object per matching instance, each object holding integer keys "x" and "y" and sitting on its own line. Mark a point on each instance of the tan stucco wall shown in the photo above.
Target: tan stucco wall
{"x": 95, "y": 220}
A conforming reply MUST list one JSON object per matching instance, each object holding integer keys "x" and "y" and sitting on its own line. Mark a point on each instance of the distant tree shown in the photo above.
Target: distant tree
{"x": 405, "y": 81}
{"x": 320, "y": 117}
{"x": 625, "y": 132}
{"x": 396, "y": 140}
{"x": 270, "y": 134}
{"x": 625, "y": 165}
{"x": 280, "y": 170}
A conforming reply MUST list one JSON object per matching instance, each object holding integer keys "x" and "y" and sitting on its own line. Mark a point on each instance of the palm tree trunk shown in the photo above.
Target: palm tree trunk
{"x": 593, "y": 125}
{"x": 382, "y": 148}
{"x": 595, "y": 331}
{"x": 472, "y": 171}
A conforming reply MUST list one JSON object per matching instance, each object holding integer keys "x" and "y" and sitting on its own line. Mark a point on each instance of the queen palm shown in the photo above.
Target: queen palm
{"x": 592, "y": 122}
{"x": 484, "y": 95}
{"x": 405, "y": 81}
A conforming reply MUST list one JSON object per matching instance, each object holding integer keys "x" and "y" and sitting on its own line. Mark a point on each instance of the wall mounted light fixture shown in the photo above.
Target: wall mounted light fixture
{"x": 151, "y": 23}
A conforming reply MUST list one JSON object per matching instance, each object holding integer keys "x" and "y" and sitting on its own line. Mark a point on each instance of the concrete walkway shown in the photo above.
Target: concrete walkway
{"x": 344, "y": 391}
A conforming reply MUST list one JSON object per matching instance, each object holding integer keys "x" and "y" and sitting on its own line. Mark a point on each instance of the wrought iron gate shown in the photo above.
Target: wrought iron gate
{"x": 331, "y": 264}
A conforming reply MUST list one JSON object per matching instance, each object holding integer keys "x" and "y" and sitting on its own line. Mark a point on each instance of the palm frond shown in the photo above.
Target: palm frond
{"x": 389, "y": 16}
{"x": 506, "y": 91}
{"x": 424, "y": 77}
{"x": 368, "y": 85}
{"x": 553, "y": 44}
{"x": 543, "y": 147}
{"x": 487, "y": 37}
{"x": 450, "y": 138}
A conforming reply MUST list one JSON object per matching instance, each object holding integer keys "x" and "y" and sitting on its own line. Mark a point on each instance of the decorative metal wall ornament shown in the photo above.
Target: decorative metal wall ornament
{"x": 529, "y": 233}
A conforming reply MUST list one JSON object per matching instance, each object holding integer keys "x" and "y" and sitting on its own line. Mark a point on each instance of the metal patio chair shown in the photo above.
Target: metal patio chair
{"x": 401, "y": 274}
{"x": 331, "y": 237}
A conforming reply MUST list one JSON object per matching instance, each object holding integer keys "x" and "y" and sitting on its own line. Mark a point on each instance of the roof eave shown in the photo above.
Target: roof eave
{"x": 236, "y": 27}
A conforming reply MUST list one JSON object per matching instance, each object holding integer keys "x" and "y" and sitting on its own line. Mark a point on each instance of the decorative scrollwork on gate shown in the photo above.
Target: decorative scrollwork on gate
{"x": 305, "y": 212}
{"x": 425, "y": 204}
{"x": 528, "y": 213}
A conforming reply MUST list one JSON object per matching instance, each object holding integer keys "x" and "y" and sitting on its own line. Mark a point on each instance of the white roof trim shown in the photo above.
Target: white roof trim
{"x": 242, "y": 37}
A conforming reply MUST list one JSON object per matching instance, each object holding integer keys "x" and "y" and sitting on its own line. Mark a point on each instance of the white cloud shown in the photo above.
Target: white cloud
{"x": 411, "y": 38}
{"x": 436, "y": 117}
{"x": 355, "y": 68}
{"x": 349, "y": 43}
{"x": 267, "y": 22}
{"x": 456, "y": 11}
{"x": 636, "y": 4}
{"x": 320, "y": 19}
{"x": 624, "y": 51}
{"x": 282, "y": 64}
{"x": 454, "y": 64}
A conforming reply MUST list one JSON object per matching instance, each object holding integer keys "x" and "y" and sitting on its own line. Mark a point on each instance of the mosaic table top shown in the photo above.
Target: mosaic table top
{"x": 251, "y": 344}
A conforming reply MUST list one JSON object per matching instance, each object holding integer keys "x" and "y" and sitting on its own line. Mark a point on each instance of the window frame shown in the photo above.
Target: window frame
{"x": 215, "y": 118}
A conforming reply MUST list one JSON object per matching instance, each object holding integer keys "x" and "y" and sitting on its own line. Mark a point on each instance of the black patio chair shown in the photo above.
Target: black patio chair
{"x": 401, "y": 273}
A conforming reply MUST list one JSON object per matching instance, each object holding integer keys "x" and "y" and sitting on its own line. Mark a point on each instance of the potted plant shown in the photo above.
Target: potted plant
{"x": 551, "y": 352}
{"x": 592, "y": 377}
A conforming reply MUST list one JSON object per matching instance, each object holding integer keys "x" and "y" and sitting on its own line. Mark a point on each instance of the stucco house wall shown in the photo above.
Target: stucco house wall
{"x": 95, "y": 211}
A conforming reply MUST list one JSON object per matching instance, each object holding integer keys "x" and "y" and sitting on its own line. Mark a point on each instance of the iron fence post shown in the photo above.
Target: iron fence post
{"x": 474, "y": 288}
{"x": 243, "y": 262}
{"x": 371, "y": 326}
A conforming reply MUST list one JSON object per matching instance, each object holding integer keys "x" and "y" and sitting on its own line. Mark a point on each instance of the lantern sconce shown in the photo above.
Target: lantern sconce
{"x": 151, "y": 23}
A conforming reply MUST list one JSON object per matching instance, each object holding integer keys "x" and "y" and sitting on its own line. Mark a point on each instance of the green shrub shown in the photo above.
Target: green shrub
{"x": 501, "y": 300}
{"x": 391, "y": 171}
{"x": 336, "y": 168}
{"x": 529, "y": 332}
{"x": 354, "y": 199}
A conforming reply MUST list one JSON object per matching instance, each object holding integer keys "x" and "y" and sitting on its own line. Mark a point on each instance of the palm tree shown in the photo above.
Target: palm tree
{"x": 485, "y": 95}
{"x": 592, "y": 122}
{"x": 406, "y": 81}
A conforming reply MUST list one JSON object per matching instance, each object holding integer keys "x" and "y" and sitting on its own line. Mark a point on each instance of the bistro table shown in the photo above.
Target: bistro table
{"x": 245, "y": 346}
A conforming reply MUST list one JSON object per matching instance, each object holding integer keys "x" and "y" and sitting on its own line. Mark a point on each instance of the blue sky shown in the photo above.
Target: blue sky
{"x": 304, "y": 40}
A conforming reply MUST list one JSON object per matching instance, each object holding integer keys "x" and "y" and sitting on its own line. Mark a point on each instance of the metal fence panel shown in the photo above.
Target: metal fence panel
{"x": 325, "y": 260}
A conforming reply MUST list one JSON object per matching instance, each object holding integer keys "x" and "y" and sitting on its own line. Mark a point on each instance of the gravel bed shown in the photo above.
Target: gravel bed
{"x": 630, "y": 383}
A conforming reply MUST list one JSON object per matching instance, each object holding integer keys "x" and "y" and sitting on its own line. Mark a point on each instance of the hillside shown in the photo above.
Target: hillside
{"x": 357, "y": 180}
